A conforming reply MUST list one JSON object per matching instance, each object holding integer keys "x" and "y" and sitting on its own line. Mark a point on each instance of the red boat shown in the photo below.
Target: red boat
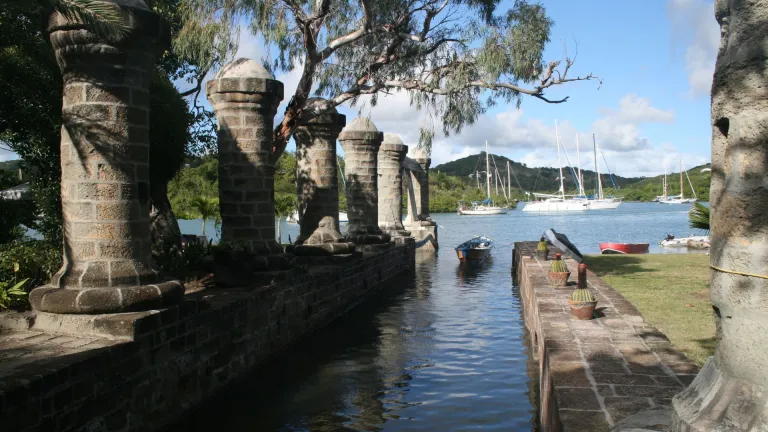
{"x": 623, "y": 248}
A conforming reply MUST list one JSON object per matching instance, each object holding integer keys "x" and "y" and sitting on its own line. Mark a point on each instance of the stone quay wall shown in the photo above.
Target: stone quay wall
{"x": 169, "y": 361}
{"x": 614, "y": 371}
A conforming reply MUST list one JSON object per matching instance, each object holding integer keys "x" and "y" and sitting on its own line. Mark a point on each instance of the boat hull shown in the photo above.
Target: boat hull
{"x": 483, "y": 212}
{"x": 623, "y": 248}
{"x": 472, "y": 256}
{"x": 683, "y": 241}
{"x": 559, "y": 206}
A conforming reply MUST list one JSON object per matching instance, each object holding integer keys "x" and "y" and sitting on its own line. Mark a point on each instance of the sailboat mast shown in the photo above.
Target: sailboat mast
{"x": 682, "y": 193}
{"x": 559, "y": 162}
{"x": 597, "y": 179}
{"x": 665, "y": 180}
{"x": 578, "y": 158}
{"x": 509, "y": 183}
{"x": 488, "y": 169}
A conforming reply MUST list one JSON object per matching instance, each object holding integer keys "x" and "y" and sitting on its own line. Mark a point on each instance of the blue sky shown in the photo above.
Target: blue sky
{"x": 655, "y": 58}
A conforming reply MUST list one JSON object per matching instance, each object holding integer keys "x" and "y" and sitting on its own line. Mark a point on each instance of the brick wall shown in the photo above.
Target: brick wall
{"x": 182, "y": 355}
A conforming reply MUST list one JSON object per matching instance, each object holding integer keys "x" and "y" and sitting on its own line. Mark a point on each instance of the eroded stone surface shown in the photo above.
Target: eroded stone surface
{"x": 105, "y": 169}
{"x": 245, "y": 101}
{"x": 390, "y": 185}
{"x": 729, "y": 393}
{"x": 361, "y": 141}
{"x": 318, "y": 185}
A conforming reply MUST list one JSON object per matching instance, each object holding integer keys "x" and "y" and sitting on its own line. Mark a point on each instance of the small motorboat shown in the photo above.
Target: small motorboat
{"x": 475, "y": 250}
{"x": 698, "y": 242}
{"x": 623, "y": 248}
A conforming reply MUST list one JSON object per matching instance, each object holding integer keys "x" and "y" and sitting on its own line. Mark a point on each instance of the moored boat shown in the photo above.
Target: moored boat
{"x": 623, "y": 248}
{"x": 475, "y": 250}
{"x": 698, "y": 242}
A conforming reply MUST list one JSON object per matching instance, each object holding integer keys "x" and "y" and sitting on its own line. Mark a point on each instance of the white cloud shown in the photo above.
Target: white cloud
{"x": 694, "y": 26}
{"x": 532, "y": 140}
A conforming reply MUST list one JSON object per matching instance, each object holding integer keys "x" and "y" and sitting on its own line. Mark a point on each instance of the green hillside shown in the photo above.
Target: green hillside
{"x": 531, "y": 179}
{"x": 649, "y": 188}
{"x": 11, "y": 165}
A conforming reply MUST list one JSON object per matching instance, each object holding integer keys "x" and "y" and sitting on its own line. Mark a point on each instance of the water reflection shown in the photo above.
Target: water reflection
{"x": 467, "y": 273}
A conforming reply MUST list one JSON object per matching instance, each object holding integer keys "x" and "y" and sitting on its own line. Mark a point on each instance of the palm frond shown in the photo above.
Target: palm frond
{"x": 698, "y": 217}
{"x": 102, "y": 17}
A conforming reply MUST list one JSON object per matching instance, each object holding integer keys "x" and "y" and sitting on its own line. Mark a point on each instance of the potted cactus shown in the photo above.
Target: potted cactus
{"x": 582, "y": 301}
{"x": 542, "y": 249}
{"x": 558, "y": 272}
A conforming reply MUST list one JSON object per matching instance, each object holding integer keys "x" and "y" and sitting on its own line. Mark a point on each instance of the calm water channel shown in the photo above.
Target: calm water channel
{"x": 446, "y": 351}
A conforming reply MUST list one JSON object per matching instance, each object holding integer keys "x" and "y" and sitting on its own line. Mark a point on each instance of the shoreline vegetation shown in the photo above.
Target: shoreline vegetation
{"x": 672, "y": 293}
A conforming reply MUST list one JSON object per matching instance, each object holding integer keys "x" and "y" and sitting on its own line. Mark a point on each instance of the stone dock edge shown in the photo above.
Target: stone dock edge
{"x": 614, "y": 372}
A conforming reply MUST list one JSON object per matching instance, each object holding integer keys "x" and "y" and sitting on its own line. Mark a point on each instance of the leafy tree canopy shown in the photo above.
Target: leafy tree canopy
{"x": 455, "y": 58}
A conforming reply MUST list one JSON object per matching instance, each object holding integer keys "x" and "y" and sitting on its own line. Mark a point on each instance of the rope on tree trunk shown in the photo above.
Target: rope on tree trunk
{"x": 738, "y": 272}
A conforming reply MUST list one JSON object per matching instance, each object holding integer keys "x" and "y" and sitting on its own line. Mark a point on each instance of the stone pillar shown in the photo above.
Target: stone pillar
{"x": 422, "y": 186}
{"x": 105, "y": 169}
{"x": 361, "y": 141}
{"x": 245, "y": 99}
{"x": 729, "y": 394}
{"x": 422, "y": 227}
{"x": 390, "y": 184}
{"x": 318, "y": 185}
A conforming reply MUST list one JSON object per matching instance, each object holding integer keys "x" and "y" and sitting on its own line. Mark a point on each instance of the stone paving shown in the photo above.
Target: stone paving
{"x": 596, "y": 374}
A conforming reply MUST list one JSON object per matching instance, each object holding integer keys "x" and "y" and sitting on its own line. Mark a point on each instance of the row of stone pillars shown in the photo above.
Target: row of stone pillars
{"x": 108, "y": 263}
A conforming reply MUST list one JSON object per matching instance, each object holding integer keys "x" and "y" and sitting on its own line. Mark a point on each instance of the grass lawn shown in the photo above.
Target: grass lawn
{"x": 672, "y": 293}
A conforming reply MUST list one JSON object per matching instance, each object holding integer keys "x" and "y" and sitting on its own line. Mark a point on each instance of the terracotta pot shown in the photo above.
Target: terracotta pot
{"x": 542, "y": 255}
{"x": 558, "y": 279}
{"x": 582, "y": 310}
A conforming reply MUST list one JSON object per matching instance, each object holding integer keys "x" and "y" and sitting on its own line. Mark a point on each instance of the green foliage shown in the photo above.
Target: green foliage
{"x": 558, "y": 265}
{"x": 102, "y": 17}
{"x": 36, "y": 260}
{"x": 285, "y": 204}
{"x": 698, "y": 217}
{"x": 200, "y": 178}
{"x": 12, "y": 296}
{"x": 15, "y": 214}
{"x": 542, "y": 246}
{"x": 181, "y": 262}
{"x": 170, "y": 123}
{"x": 582, "y": 295}
{"x": 206, "y": 208}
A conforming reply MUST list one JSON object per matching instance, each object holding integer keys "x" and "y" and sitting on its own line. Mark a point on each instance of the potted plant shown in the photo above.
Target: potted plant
{"x": 558, "y": 272}
{"x": 582, "y": 303}
{"x": 542, "y": 249}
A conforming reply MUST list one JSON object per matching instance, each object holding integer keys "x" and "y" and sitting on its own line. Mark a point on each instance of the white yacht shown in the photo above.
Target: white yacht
{"x": 485, "y": 207}
{"x": 678, "y": 199}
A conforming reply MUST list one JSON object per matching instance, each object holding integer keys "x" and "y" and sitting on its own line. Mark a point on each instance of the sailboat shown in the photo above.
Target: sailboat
{"x": 555, "y": 203}
{"x": 678, "y": 199}
{"x": 484, "y": 207}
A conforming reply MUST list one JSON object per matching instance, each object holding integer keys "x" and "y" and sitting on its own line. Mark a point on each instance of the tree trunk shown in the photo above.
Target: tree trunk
{"x": 729, "y": 392}
{"x": 279, "y": 236}
{"x": 204, "y": 220}
{"x": 164, "y": 226}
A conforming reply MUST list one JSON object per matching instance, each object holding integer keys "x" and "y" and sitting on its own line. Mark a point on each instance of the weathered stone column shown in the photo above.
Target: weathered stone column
{"x": 318, "y": 185}
{"x": 422, "y": 186}
{"x": 421, "y": 226}
{"x": 361, "y": 141}
{"x": 731, "y": 391}
{"x": 245, "y": 98}
{"x": 390, "y": 183}
{"x": 105, "y": 170}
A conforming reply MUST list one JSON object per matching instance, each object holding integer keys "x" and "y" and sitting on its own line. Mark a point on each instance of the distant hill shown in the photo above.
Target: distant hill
{"x": 651, "y": 187}
{"x": 531, "y": 179}
{"x": 11, "y": 165}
